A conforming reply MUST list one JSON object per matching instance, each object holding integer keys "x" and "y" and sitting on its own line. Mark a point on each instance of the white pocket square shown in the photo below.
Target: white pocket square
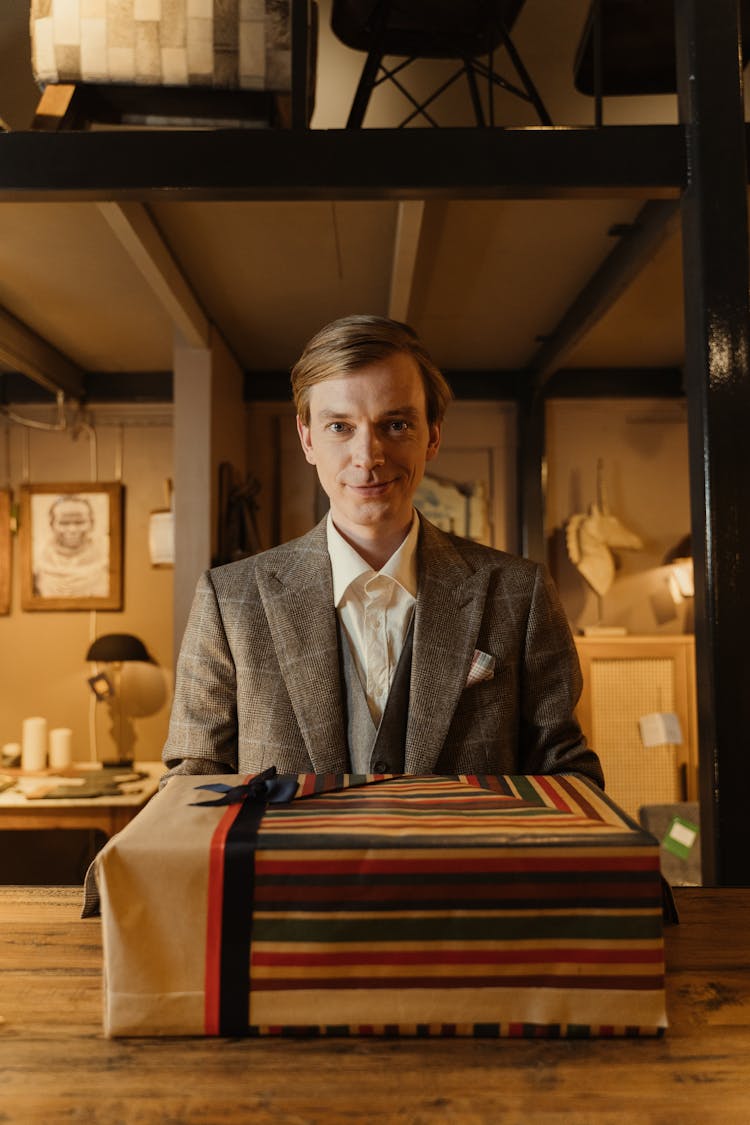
{"x": 482, "y": 668}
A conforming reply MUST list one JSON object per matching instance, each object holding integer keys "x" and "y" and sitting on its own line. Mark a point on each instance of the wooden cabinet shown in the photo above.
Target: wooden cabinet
{"x": 625, "y": 678}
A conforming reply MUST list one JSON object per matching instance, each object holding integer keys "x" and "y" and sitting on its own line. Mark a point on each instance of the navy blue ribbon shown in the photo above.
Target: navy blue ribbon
{"x": 239, "y": 888}
{"x": 267, "y": 787}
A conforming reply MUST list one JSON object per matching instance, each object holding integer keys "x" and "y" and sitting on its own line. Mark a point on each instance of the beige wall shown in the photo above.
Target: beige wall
{"x": 42, "y": 666}
{"x": 643, "y": 444}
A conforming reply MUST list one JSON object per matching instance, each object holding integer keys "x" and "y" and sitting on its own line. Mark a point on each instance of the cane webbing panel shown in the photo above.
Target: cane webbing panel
{"x": 230, "y": 44}
{"x": 622, "y": 691}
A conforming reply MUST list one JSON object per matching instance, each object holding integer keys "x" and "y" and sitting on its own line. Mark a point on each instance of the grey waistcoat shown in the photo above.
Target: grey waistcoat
{"x": 377, "y": 749}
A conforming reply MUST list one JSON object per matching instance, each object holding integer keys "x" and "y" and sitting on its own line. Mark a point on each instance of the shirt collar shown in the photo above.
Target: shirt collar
{"x": 347, "y": 566}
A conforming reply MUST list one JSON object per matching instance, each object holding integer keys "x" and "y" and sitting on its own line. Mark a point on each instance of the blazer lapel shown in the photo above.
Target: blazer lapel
{"x": 449, "y": 611}
{"x": 297, "y": 594}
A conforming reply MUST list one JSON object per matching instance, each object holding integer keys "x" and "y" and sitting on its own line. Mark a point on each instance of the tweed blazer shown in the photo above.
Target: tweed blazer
{"x": 259, "y": 677}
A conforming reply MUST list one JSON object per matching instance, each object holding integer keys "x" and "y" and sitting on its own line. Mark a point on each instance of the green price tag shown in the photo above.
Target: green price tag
{"x": 680, "y": 837}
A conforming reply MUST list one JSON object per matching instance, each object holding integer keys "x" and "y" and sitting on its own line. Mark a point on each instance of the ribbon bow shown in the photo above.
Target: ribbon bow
{"x": 267, "y": 788}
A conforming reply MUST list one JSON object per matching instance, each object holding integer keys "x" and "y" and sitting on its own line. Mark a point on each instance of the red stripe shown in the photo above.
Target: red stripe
{"x": 461, "y": 957}
{"x": 548, "y": 980}
{"x": 215, "y": 907}
{"x": 450, "y": 892}
{"x": 357, "y": 796}
{"x": 308, "y": 786}
{"x": 465, "y": 864}
{"x": 578, "y": 797}
{"x": 545, "y": 784}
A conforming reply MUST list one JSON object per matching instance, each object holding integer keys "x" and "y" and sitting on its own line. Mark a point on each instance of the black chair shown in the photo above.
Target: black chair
{"x": 469, "y": 31}
{"x": 627, "y": 47}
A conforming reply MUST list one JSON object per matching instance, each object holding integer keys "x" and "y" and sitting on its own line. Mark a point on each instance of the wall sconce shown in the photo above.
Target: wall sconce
{"x": 115, "y": 649}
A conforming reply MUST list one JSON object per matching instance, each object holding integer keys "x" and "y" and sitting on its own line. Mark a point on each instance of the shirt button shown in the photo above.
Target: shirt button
{"x": 380, "y": 766}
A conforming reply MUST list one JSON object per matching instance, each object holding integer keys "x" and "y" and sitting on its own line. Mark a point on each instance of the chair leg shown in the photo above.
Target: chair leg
{"x": 364, "y": 89}
{"x": 476, "y": 101}
{"x": 379, "y": 23}
{"x": 523, "y": 74}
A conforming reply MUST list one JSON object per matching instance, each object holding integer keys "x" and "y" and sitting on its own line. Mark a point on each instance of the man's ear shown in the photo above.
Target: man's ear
{"x": 305, "y": 441}
{"x": 433, "y": 444}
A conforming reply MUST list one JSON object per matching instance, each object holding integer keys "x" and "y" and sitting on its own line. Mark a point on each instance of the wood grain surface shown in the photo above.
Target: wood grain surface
{"x": 56, "y": 1066}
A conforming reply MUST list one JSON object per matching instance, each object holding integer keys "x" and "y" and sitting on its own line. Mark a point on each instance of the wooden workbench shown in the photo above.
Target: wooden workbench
{"x": 108, "y": 814}
{"x": 56, "y": 1066}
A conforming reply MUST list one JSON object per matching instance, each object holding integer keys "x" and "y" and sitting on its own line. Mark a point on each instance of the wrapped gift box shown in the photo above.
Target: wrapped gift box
{"x": 477, "y": 905}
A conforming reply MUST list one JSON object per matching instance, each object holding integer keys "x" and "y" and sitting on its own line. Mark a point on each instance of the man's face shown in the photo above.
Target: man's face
{"x": 369, "y": 440}
{"x": 71, "y": 524}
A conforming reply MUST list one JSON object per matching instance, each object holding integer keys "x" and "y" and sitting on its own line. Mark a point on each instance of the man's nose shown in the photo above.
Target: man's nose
{"x": 368, "y": 448}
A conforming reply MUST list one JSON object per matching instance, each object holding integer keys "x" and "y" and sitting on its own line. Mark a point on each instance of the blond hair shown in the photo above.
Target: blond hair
{"x": 350, "y": 343}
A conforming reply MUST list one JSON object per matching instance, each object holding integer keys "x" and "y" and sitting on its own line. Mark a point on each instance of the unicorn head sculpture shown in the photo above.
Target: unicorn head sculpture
{"x": 590, "y": 536}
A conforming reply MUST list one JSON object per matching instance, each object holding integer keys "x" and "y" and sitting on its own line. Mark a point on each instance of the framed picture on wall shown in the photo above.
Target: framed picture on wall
{"x": 5, "y": 551}
{"x": 71, "y": 546}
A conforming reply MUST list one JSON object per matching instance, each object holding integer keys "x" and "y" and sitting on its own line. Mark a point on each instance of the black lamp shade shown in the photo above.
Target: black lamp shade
{"x": 113, "y": 648}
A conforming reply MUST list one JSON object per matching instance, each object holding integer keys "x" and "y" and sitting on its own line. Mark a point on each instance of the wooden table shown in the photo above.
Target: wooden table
{"x": 109, "y": 814}
{"x": 56, "y": 1066}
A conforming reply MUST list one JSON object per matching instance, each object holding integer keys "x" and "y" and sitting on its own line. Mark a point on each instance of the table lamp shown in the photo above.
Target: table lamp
{"x": 115, "y": 649}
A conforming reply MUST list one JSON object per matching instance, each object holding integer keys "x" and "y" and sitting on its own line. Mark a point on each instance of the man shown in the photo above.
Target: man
{"x": 376, "y": 643}
{"x": 73, "y": 563}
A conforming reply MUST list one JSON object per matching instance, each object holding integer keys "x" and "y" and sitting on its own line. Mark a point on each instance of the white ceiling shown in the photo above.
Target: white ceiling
{"x": 488, "y": 278}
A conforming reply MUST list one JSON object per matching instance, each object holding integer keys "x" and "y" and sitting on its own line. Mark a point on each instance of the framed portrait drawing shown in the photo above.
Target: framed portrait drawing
{"x": 71, "y": 546}
{"x": 5, "y": 550}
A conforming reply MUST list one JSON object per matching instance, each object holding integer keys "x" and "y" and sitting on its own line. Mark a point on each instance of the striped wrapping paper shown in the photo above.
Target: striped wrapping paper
{"x": 502, "y": 906}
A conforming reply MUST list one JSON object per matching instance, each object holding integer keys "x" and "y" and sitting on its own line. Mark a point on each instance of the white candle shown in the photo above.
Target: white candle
{"x": 60, "y": 748}
{"x": 34, "y": 744}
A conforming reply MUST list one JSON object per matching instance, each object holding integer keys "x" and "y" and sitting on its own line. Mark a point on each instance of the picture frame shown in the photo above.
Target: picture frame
{"x": 6, "y": 553}
{"x": 70, "y": 536}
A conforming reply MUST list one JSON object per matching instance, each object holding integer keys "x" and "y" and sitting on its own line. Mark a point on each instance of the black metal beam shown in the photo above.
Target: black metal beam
{"x": 25, "y": 350}
{"x": 643, "y": 161}
{"x": 498, "y": 385}
{"x": 109, "y": 386}
{"x": 634, "y": 249}
{"x": 616, "y": 382}
{"x": 716, "y": 273}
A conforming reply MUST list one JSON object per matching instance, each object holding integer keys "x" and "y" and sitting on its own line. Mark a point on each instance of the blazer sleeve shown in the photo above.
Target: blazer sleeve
{"x": 551, "y": 741}
{"x": 202, "y": 736}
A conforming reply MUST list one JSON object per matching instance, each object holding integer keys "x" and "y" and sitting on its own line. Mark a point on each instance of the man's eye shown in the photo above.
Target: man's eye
{"x": 399, "y": 426}
{"x": 338, "y": 427}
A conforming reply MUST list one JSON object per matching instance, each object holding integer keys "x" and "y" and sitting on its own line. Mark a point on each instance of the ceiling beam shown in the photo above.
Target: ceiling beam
{"x": 655, "y": 222}
{"x": 646, "y": 161}
{"x": 409, "y": 225}
{"x": 145, "y": 244}
{"x": 25, "y": 351}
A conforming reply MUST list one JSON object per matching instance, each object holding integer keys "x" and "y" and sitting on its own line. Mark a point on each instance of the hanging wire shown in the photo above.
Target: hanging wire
{"x": 80, "y": 425}
{"x": 33, "y": 424}
{"x": 25, "y": 458}
{"x": 119, "y": 451}
{"x": 6, "y": 469}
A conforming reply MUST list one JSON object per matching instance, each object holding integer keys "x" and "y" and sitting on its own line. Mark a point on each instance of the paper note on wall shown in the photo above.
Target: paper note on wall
{"x": 660, "y": 727}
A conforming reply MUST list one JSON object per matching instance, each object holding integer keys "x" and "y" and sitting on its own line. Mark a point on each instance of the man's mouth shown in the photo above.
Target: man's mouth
{"x": 372, "y": 488}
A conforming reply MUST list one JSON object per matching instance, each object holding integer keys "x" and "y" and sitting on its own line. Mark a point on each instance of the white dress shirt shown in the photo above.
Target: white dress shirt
{"x": 375, "y": 609}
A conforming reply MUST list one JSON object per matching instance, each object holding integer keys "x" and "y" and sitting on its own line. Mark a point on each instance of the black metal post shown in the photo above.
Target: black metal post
{"x": 715, "y": 244}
